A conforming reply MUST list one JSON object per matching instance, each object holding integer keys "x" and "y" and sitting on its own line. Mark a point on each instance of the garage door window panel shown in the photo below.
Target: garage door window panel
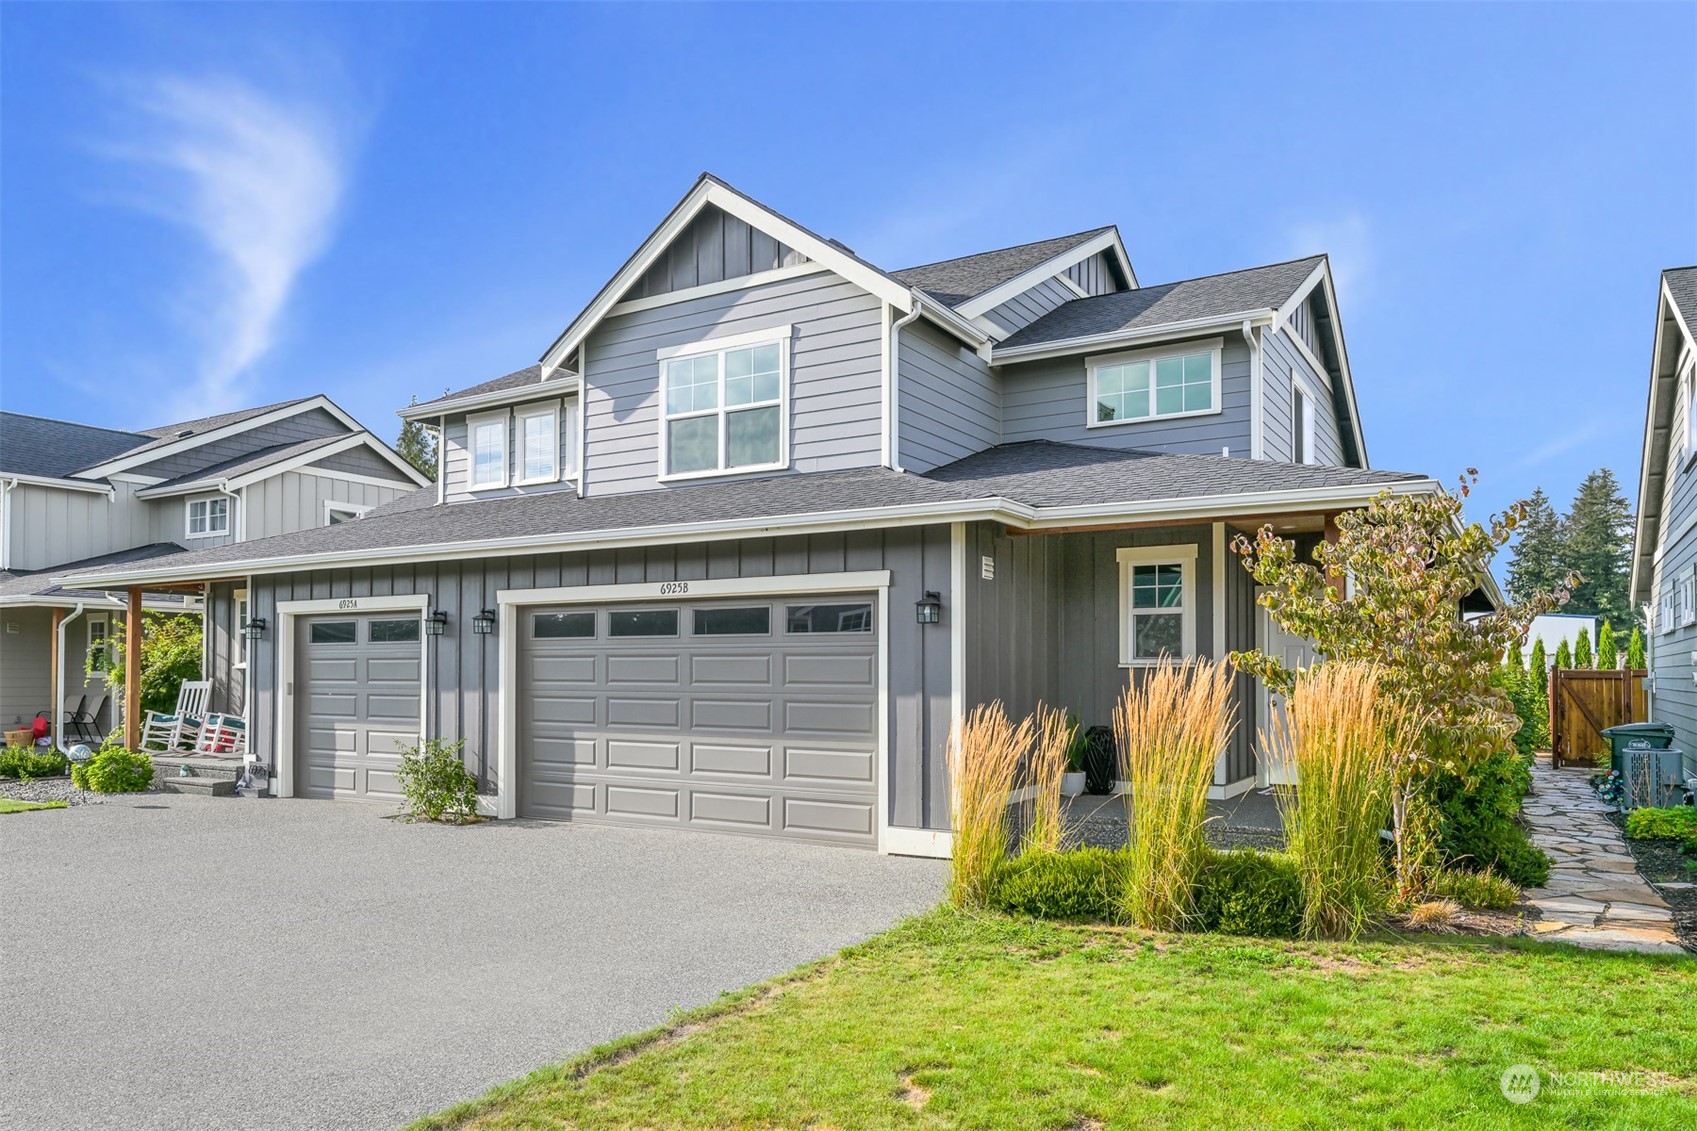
{"x": 756, "y": 621}
{"x": 643, "y": 622}
{"x": 402, "y": 631}
{"x": 335, "y": 632}
{"x": 829, "y": 618}
{"x": 563, "y": 626}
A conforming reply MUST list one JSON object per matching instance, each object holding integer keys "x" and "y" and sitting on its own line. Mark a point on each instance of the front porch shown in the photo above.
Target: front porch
{"x": 1248, "y": 820}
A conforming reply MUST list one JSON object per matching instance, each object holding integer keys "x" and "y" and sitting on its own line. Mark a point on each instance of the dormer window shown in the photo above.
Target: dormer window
{"x": 208, "y": 518}
{"x": 724, "y": 406}
{"x": 539, "y": 445}
{"x": 1154, "y": 384}
{"x": 488, "y": 443}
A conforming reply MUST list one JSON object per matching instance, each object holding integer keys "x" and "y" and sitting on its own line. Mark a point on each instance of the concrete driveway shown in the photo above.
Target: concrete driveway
{"x": 185, "y": 962}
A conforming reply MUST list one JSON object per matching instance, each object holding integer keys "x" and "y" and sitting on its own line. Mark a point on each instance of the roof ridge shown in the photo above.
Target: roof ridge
{"x": 1010, "y": 247}
{"x": 1220, "y": 274}
{"x": 254, "y": 411}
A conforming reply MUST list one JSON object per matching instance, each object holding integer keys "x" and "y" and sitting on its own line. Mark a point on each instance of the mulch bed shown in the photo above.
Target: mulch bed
{"x": 1661, "y": 862}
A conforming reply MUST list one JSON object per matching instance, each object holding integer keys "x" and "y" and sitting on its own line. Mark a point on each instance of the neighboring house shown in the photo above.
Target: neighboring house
{"x": 1664, "y": 557}
{"x": 1556, "y": 628}
{"x": 74, "y": 497}
{"x": 766, "y": 518}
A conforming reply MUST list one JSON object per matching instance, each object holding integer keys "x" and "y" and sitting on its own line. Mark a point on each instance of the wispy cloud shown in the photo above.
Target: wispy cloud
{"x": 1346, "y": 238}
{"x": 1561, "y": 445}
{"x": 256, "y": 178}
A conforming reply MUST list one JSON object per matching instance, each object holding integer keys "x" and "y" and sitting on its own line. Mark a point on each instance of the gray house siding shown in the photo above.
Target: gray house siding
{"x": 1012, "y": 628}
{"x": 222, "y": 625}
{"x": 363, "y": 461}
{"x": 1025, "y": 308}
{"x": 171, "y": 520}
{"x": 50, "y": 526}
{"x": 456, "y": 456}
{"x": 1048, "y": 400}
{"x": 1673, "y": 698}
{"x": 292, "y": 430}
{"x": 1096, "y": 275}
{"x": 295, "y": 501}
{"x": 1282, "y": 358}
{"x": 25, "y": 674}
{"x": 950, "y": 403}
{"x": 713, "y": 247}
{"x": 836, "y": 366}
{"x": 462, "y": 693}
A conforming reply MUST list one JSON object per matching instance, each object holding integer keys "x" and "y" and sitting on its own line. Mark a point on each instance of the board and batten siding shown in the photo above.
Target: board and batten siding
{"x": 950, "y": 403}
{"x": 25, "y": 670}
{"x": 1096, "y": 275}
{"x": 295, "y": 501}
{"x": 51, "y": 526}
{"x": 1049, "y": 400}
{"x": 1278, "y": 440}
{"x": 1673, "y": 698}
{"x": 456, "y": 453}
{"x": 222, "y": 625}
{"x": 713, "y": 247}
{"x": 462, "y": 693}
{"x": 1028, "y": 306}
{"x": 836, "y": 376}
{"x": 310, "y": 425}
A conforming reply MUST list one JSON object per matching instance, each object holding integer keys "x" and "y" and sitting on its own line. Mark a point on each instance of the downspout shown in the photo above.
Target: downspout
{"x": 59, "y": 707}
{"x": 1252, "y": 338}
{"x": 895, "y": 388}
{"x": 238, "y": 516}
{"x": 6, "y": 490}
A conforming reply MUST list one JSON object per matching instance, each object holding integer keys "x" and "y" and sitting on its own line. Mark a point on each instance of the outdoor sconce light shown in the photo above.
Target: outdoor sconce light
{"x": 436, "y": 623}
{"x": 254, "y": 628}
{"x": 483, "y": 623}
{"x": 929, "y": 610}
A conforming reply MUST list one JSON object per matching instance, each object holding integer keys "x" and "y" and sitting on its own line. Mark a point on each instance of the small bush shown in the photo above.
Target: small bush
{"x": 28, "y": 762}
{"x": 1477, "y": 820}
{"x": 1673, "y": 823}
{"x": 1473, "y": 889}
{"x": 114, "y": 770}
{"x": 1435, "y": 915}
{"x": 1085, "y": 883}
{"x": 1245, "y": 892}
{"x": 436, "y": 783}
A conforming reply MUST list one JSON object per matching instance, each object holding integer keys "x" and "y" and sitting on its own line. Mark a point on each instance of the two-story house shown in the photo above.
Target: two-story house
{"x": 766, "y": 518}
{"x": 1664, "y": 557}
{"x": 74, "y": 497}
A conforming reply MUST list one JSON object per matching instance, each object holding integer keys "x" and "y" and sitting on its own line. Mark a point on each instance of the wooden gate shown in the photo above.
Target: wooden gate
{"x": 1584, "y": 703}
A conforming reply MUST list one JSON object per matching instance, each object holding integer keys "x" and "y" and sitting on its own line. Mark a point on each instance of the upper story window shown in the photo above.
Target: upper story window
{"x": 1157, "y": 603}
{"x": 724, "y": 405}
{"x": 1301, "y": 420}
{"x": 539, "y": 445}
{"x": 487, "y": 439}
{"x": 1688, "y": 385}
{"x": 1153, "y": 384}
{"x": 208, "y": 517}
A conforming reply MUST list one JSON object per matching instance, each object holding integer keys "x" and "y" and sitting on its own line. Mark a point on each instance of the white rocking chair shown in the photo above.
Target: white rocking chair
{"x": 179, "y": 730}
{"x": 223, "y": 735}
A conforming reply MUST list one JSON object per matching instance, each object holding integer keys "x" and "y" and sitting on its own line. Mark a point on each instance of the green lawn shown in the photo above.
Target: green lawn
{"x": 949, "y": 1021}
{"x": 8, "y": 805}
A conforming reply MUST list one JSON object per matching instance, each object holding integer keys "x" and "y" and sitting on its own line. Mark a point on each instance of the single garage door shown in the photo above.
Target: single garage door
{"x": 753, "y": 716}
{"x": 359, "y": 680}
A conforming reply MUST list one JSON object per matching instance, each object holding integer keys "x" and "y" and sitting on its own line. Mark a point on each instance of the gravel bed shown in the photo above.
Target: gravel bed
{"x": 56, "y": 789}
{"x": 1674, "y": 875}
{"x": 1110, "y": 832}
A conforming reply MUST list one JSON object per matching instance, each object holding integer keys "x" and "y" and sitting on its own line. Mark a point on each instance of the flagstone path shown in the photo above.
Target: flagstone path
{"x": 1595, "y": 896}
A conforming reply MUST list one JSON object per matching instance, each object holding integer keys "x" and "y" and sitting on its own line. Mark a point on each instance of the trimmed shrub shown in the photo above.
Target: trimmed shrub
{"x": 1676, "y": 823}
{"x": 1245, "y": 892}
{"x": 1085, "y": 883}
{"x": 114, "y": 770}
{"x": 1477, "y": 820}
{"x": 27, "y": 762}
{"x": 436, "y": 783}
{"x": 1473, "y": 889}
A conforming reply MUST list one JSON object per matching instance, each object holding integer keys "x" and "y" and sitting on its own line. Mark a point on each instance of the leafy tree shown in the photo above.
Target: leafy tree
{"x": 1582, "y": 649}
{"x": 1536, "y": 563}
{"x": 1608, "y": 655}
{"x": 1411, "y": 559}
{"x": 170, "y": 655}
{"x": 1597, "y": 544}
{"x": 417, "y": 445}
{"x": 1564, "y": 657}
{"x": 1635, "y": 650}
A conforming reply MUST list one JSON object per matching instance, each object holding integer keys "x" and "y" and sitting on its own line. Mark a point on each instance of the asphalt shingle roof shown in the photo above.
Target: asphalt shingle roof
{"x": 530, "y": 375}
{"x": 169, "y": 433}
{"x": 1682, "y": 284}
{"x": 1253, "y": 289}
{"x": 955, "y": 281}
{"x": 38, "y": 583}
{"x": 1039, "y": 474}
{"x": 52, "y": 449}
{"x": 253, "y": 461}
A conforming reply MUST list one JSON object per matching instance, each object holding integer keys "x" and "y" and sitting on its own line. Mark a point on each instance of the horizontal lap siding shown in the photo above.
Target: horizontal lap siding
{"x": 456, "y": 457}
{"x": 1674, "y": 694}
{"x": 1025, "y": 308}
{"x": 1049, "y": 400}
{"x": 461, "y": 697}
{"x": 836, "y": 376}
{"x": 950, "y": 402}
{"x": 362, "y": 461}
{"x": 1283, "y": 357}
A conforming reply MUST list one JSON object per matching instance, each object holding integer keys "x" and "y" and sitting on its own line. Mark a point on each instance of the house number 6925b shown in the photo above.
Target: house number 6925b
{"x": 667, "y": 588}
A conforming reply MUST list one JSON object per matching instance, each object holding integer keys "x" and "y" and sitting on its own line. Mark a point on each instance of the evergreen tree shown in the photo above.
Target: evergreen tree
{"x": 1596, "y": 541}
{"x": 1538, "y": 693}
{"x": 1536, "y": 565}
{"x": 1582, "y": 649}
{"x": 1608, "y": 655}
{"x": 1539, "y": 667}
{"x": 1564, "y": 657}
{"x": 417, "y": 445}
{"x": 1635, "y": 650}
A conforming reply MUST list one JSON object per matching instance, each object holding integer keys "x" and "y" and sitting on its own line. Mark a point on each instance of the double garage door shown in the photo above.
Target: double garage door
{"x": 754, "y": 716}
{"x": 360, "y": 705}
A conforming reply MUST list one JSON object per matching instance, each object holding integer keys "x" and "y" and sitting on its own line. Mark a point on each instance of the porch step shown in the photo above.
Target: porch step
{"x": 209, "y": 787}
{"x": 203, "y": 769}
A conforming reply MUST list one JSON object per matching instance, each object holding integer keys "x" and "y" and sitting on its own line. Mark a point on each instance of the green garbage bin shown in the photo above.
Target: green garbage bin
{"x": 1635, "y": 736}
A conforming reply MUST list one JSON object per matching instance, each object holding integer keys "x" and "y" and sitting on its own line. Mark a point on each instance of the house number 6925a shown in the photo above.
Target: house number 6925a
{"x": 667, "y": 588}
{"x": 349, "y": 603}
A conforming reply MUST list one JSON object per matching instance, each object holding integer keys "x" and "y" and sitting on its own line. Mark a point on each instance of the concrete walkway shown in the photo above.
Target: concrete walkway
{"x": 1595, "y": 896}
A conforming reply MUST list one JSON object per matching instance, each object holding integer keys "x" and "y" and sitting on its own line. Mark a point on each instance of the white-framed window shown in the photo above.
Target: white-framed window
{"x": 1302, "y": 402}
{"x": 537, "y": 429}
{"x": 1667, "y": 610}
{"x": 208, "y": 518}
{"x": 1157, "y": 603}
{"x": 99, "y": 642}
{"x": 486, "y": 444}
{"x": 1688, "y": 598}
{"x": 724, "y": 405}
{"x": 241, "y": 629}
{"x": 1688, "y": 386}
{"x": 1154, "y": 384}
{"x": 337, "y": 513}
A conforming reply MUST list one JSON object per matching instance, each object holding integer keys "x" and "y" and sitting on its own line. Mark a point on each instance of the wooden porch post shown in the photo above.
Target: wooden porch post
{"x": 1336, "y": 580}
{"x": 56, "y": 698}
{"x": 132, "y": 671}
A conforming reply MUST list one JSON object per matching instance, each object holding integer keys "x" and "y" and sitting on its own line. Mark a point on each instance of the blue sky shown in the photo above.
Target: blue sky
{"x": 214, "y": 206}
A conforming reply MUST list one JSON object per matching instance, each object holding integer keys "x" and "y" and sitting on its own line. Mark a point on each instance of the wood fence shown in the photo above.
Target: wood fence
{"x": 1584, "y": 703}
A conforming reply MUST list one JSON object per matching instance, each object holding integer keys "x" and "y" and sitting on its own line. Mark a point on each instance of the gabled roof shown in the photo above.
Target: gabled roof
{"x": 242, "y": 470}
{"x": 45, "y": 448}
{"x": 513, "y": 386}
{"x": 1681, "y": 284}
{"x": 1256, "y": 289}
{"x": 184, "y": 435}
{"x": 959, "y": 280}
{"x": 1676, "y": 330}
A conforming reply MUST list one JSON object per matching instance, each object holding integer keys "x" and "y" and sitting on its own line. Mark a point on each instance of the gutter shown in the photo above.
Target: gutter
{"x": 1009, "y": 512}
{"x": 1257, "y": 395}
{"x": 1192, "y": 327}
{"x": 93, "y": 487}
{"x": 547, "y": 387}
{"x": 6, "y": 489}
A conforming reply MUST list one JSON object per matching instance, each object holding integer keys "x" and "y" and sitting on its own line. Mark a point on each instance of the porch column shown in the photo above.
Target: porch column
{"x": 1336, "y": 580}
{"x": 132, "y": 671}
{"x": 55, "y": 697}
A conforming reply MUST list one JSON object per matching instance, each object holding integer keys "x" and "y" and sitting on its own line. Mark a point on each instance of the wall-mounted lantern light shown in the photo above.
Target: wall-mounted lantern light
{"x": 436, "y": 623}
{"x": 483, "y": 623}
{"x": 929, "y": 610}
{"x": 254, "y": 628}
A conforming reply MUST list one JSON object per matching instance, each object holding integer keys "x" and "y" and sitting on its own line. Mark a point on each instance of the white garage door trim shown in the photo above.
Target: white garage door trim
{"x": 511, "y": 601}
{"x": 287, "y": 611}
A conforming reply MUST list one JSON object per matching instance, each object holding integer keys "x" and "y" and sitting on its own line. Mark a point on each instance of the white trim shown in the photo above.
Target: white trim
{"x": 722, "y": 411}
{"x": 1217, "y": 550}
{"x": 552, "y": 409}
{"x": 60, "y": 484}
{"x": 352, "y": 510}
{"x": 209, "y": 532}
{"x": 1299, "y": 387}
{"x": 131, "y": 477}
{"x": 546, "y": 387}
{"x": 442, "y": 459}
{"x": 883, "y": 752}
{"x": 989, "y": 509}
{"x": 957, "y": 624}
{"x": 472, "y": 424}
{"x": 366, "y": 480}
{"x": 723, "y": 286}
{"x": 1343, "y": 367}
{"x": 141, "y": 458}
{"x": 1307, "y": 355}
{"x": 1183, "y": 555}
{"x": 718, "y": 344}
{"x": 1257, "y": 392}
{"x": 507, "y": 712}
{"x": 1300, "y": 295}
{"x": 886, "y": 398}
{"x": 295, "y": 463}
{"x": 937, "y": 844}
{"x": 1223, "y": 792}
{"x": 1035, "y": 276}
{"x": 1213, "y": 347}
{"x": 1169, "y": 331}
{"x": 1071, "y": 284}
{"x": 283, "y": 679}
{"x": 693, "y": 590}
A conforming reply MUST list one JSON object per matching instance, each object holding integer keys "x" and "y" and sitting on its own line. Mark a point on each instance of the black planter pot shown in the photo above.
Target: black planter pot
{"x": 1101, "y": 761}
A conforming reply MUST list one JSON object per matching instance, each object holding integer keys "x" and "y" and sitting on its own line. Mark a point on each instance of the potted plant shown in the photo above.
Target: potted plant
{"x": 1072, "y": 781}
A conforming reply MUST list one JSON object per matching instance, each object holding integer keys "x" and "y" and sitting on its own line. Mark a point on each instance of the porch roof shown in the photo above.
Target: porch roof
{"x": 38, "y": 587}
{"x": 1031, "y": 486}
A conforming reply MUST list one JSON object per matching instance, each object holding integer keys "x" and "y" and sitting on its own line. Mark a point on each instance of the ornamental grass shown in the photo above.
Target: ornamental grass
{"x": 1171, "y": 725}
{"x": 985, "y": 753}
{"x": 1052, "y": 733}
